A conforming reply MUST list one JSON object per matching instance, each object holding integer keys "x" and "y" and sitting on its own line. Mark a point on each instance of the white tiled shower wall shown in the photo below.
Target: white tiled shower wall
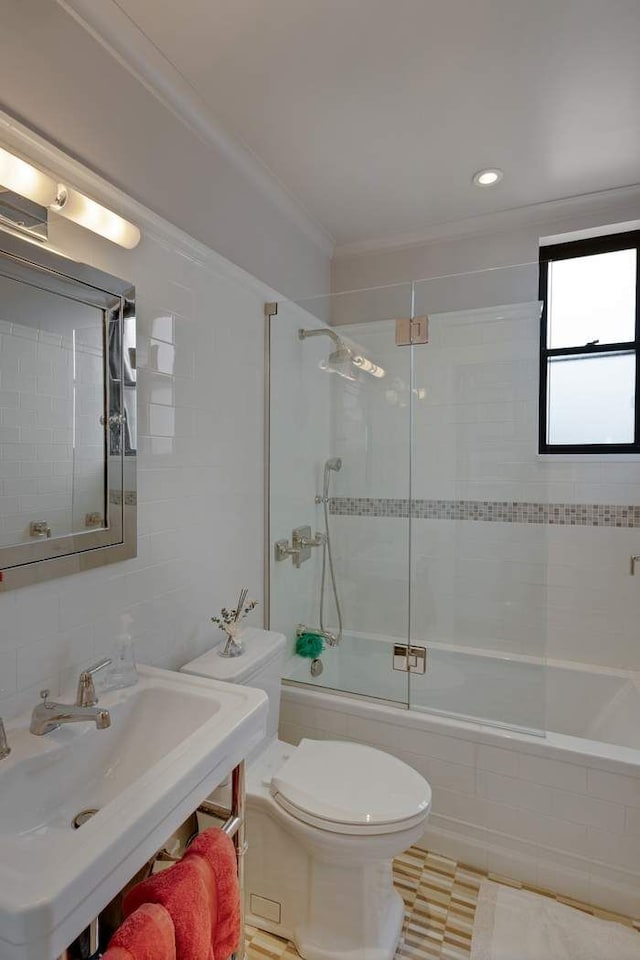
{"x": 200, "y": 485}
{"x": 531, "y": 589}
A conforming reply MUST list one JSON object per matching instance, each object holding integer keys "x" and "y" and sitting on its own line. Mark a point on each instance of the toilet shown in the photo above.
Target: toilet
{"x": 324, "y": 821}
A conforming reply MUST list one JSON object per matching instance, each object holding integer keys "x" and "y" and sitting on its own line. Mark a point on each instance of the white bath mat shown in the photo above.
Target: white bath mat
{"x": 514, "y": 924}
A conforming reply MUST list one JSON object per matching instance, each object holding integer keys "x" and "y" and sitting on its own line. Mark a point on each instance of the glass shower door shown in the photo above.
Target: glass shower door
{"x": 340, "y": 405}
{"x": 479, "y": 548}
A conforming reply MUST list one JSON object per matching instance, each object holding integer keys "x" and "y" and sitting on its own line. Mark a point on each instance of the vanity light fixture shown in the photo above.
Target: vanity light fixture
{"x": 74, "y": 206}
{"x": 488, "y": 177}
{"x": 25, "y": 180}
{"x": 20, "y": 177}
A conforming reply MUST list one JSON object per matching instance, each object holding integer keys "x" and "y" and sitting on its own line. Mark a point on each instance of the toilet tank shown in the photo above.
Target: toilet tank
{"x": 261, "y": 665}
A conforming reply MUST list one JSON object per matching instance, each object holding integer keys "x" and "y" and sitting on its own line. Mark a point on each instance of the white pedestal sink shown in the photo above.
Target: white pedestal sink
{"x": 173, "y": 739}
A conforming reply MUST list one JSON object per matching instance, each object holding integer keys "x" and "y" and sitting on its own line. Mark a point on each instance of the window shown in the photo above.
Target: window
{"x": 590, "y": 346}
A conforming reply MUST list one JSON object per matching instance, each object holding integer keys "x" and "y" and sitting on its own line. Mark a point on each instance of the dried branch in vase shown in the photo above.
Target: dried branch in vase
{"x": 230, "y": 622}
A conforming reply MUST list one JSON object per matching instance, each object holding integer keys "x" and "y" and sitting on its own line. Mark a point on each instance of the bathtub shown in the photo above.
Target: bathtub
{"x": 542, "y": 786}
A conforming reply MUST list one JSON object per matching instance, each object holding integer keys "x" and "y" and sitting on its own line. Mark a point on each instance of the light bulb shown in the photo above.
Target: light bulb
{"x": 20, "y": 177}
{"x": 93, "y": 216}
{"x": 488, "y": 177}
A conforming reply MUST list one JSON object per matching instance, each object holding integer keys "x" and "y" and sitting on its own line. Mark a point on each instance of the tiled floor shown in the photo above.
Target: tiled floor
{"x": 440, "y": 898}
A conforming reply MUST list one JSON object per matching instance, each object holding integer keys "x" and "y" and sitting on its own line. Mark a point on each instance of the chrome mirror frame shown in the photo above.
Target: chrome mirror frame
{"x": 26, "y": 563}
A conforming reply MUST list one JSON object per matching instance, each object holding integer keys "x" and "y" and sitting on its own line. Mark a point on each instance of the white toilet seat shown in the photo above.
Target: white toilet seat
{"x": 348, "y": 829}
{"x": 350, "y": 788}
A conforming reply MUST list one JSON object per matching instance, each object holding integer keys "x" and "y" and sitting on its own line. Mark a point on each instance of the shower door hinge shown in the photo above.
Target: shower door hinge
{"x": 409, "y": 659}
{"x": 412, "y": 330}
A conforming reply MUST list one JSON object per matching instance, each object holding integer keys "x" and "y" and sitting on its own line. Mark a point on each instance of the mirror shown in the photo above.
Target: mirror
{"x": 67, "y": 415}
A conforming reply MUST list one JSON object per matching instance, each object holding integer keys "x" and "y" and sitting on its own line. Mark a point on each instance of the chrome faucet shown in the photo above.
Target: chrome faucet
{"x": 48, "y": 715}
{"x": 5, "y": 749}
{"x": 86, "y": 695}
{"x": 331, "y": 638}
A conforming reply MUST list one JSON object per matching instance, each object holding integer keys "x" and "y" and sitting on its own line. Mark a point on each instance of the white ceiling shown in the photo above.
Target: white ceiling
{"x": 376, "y": 113}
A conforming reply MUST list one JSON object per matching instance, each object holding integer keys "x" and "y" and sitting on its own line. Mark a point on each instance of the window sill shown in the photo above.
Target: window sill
{"x": 589, "y": 457}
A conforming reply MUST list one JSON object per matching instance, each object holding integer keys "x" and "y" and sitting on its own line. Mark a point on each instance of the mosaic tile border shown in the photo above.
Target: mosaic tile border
{"x": 491, "y": 511}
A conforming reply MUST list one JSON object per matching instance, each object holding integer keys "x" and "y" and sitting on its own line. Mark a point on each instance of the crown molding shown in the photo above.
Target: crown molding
{"x": 108, "y": 23}
{"x": 15, "y": 136}
{"x": 605, "y": 203}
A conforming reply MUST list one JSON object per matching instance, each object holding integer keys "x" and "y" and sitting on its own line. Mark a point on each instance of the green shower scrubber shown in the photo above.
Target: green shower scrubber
{"x": 309, "y": 645}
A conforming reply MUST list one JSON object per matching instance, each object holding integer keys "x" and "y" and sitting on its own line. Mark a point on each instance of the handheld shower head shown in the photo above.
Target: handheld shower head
{"x": 333, "y": 463}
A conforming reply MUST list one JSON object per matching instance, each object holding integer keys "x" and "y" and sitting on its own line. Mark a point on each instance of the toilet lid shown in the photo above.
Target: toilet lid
{"x": 350, "y": 783}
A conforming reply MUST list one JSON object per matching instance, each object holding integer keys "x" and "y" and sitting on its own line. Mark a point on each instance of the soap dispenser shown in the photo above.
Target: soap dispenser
{"x": 123, "y": 671}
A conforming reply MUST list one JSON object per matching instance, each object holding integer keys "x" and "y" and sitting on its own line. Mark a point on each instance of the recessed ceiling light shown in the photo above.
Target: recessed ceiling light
{"x": 488, "y": 177}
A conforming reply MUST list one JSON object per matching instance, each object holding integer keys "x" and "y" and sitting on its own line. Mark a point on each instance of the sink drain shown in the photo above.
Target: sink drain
{"x": 83, "y": 816}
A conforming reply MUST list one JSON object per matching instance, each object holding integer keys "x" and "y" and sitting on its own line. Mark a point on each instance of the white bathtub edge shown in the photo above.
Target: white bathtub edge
{"x": 601, "y": 756}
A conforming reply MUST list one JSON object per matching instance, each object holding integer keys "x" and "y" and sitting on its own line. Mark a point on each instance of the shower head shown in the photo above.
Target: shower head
{"x": 333, "y": 463}
{"x": 340, "y": 361}
{"x": 343, "y": 360}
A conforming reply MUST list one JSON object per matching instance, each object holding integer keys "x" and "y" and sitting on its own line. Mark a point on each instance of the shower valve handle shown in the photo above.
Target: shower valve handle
{"x": 283, "y": 550}
{"x": 318, "y": 541}
{"x": 300, "y": 547}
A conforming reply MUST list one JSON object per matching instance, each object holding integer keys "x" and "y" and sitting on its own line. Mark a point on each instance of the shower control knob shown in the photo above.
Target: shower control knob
{"x": 300, "y": 548}
{"x": 282, "y": 550}
{"x": 316, "y": 541}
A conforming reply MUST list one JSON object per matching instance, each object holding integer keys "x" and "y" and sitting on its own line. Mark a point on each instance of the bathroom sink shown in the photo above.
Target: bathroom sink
{"x": 173, "y": 738}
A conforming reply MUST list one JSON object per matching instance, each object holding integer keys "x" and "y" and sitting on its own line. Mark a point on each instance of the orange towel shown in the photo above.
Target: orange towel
{"x": 148, "y": 934}
{"x": 216, "y": 850}
{"x": 188, "y": 894}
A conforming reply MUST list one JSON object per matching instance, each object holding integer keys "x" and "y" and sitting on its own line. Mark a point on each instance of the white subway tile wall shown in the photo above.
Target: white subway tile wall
{"x": 539, "y": 589}
{"x": 200, "y": 485}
